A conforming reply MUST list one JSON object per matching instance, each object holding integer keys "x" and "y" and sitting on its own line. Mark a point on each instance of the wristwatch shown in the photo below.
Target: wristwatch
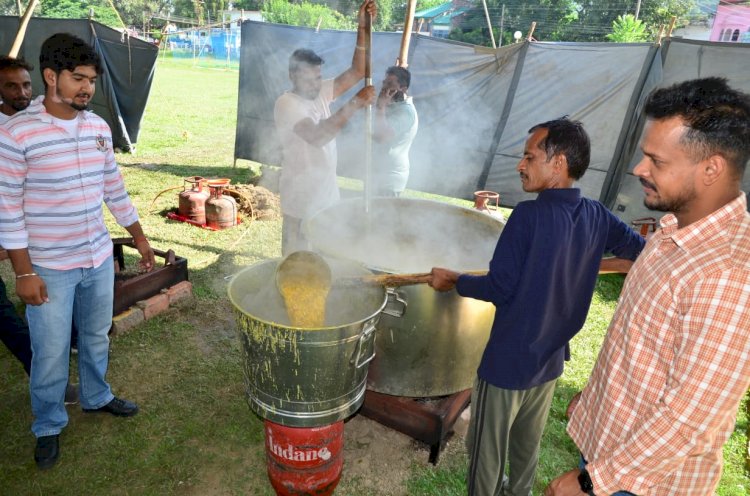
{"x": 584, "y": 479}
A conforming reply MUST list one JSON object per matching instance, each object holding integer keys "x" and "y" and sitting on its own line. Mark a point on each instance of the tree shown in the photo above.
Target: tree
{"x": 628, "y": 29}
{"x": 305, "y": 14}
{"x": 551, "y": 16}
{"x": 658, "y": 13}
{"x": 567, "y": 20}
{"x": 9, "y": 8}
{"x": 79, "y": 9}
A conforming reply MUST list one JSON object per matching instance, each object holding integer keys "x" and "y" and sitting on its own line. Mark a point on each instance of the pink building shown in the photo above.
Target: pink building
{"x": 732, "y": 22}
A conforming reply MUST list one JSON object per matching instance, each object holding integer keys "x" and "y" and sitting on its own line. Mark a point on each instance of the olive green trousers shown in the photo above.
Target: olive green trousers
{"x": 506, "y": 428}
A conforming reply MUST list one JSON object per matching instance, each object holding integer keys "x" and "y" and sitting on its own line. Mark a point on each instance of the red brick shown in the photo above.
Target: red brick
{"x": 127, "y": 320}
{"x": 154, "y": 305}
{"x": 180, "y": 291}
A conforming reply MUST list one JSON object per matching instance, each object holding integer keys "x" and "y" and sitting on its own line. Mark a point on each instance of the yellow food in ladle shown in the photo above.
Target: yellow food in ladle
{"x": 304, "y": 281}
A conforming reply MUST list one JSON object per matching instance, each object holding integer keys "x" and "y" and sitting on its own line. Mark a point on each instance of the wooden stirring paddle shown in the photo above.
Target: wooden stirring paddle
{"x": 395, "y": 280}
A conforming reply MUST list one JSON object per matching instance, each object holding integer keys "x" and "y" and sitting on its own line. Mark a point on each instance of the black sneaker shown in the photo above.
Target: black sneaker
{"x": 47, "y": 451}
{"x": 71, "y": 394}
{"x": 117, "y": 407}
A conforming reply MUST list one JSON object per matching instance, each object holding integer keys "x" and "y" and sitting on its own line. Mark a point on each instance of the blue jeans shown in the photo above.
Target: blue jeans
{"x": 84, "y": 296}
{"x": 583, "y": 463}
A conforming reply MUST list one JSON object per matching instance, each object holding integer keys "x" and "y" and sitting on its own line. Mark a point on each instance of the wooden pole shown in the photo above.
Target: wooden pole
{"x": 671, "y": 26}
{"x": 16, "y": 47}
{"x": 403, "y": 57}
{"x": 660, "y": 35}
{"x": 502, "y": 26}
{"x": 531, "y": 31}
{"x": 489, "y": 23}
{"x": 368, "y": 114}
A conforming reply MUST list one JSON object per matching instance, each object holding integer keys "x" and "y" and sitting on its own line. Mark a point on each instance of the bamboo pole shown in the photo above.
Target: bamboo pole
{"x": 502, "y": 26}
{"x": 531, "y": 31}
{"x": 660, "y": 35}
{"x": 671, "y": 26}
{"x": 489, "y": 23}
{"x": 368, "y": 113}
{"x": 21, "y": 33}
{"x": 403, "y": 57}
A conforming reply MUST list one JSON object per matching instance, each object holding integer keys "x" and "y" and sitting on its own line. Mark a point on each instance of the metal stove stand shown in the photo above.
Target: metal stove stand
{"x": 429, "y": 420}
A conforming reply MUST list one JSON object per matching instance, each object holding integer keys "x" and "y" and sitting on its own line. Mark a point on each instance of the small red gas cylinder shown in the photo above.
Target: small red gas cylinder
{"x": 304, "y": 460}
{"x": 221, "y": 209}
{"x": 193, "y": 198}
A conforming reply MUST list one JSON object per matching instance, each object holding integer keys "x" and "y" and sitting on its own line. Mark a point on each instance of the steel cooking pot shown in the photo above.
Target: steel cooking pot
{"x": 305, "y": 377}
{"x": 434, "y": 348}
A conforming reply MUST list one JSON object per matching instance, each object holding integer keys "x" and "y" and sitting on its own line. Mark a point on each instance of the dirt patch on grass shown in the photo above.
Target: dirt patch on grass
{"x": 256, "y": 201}
{"x": 377, "y": 459}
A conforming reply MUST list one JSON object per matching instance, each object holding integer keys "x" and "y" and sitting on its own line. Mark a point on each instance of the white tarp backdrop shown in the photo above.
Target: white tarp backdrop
{"x": 476, "y": 104}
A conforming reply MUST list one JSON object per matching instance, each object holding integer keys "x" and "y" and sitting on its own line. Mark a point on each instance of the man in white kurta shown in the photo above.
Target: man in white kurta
{"x": 307, "y": 131}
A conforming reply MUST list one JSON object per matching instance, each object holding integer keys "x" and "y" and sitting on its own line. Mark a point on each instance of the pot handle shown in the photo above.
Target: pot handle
{"x": 395, "y": 300}
{"x": 366, "y": 341}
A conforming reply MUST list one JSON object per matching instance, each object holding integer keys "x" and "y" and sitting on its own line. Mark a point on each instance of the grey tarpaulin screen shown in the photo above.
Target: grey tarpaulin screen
{"x": 122, "y": 90}
{"x": 476, "y": 105}
{"x": 679, "y": 60}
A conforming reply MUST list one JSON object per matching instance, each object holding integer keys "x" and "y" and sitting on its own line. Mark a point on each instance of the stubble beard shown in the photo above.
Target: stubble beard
{"x": 674, "y": 205}
{"x": 19, "y": 108}
{"x": 71, "y": 101}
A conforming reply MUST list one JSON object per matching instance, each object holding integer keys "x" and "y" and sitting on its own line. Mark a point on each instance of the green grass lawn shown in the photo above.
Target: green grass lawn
{"x": 195, "y": 434}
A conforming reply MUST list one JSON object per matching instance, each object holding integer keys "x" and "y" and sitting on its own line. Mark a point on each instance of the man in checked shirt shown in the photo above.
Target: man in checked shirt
{"x": 663, "y": 395}
{"x": 58, "y": 169}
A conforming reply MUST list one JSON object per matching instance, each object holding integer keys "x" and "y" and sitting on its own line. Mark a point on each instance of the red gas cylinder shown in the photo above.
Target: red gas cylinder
{"x": 304, "y": 460}
{"x": 221, "y": 209}
{"x": 193, "y": 198}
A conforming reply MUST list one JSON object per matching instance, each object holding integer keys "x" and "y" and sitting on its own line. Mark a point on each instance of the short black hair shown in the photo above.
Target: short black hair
{"x": 303, "y": 56}
{"x": 7, "y": 62}
{"x": 63, "y": 51}
{"x": 570, "y": 139}
{"x": 718, "y": 118}
{"x": 402, "y": 74}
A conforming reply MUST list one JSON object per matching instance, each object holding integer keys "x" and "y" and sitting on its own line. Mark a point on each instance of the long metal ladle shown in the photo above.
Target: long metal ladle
{"x": 304, "y": 280}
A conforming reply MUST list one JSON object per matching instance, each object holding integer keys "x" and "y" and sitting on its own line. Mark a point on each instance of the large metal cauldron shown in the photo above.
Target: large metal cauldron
{"x": 305, "y": 377}
{"x": 435, "y": 348}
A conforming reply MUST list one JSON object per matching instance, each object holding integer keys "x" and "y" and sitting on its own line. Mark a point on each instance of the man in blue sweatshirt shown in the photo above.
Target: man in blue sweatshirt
{"x": 541, "y": 279}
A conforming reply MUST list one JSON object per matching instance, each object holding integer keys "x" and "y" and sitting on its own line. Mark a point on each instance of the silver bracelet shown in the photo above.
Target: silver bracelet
{"x": 19, "y": 276}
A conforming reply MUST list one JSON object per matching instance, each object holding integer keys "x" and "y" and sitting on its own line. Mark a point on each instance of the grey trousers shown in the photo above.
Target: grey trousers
{"x": 506, "y": 427}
